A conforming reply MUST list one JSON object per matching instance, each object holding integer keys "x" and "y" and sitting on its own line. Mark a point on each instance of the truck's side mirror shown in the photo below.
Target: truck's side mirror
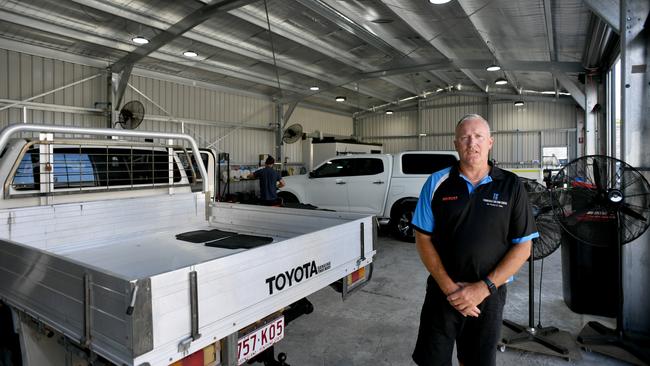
{"x": 312, "y": 174}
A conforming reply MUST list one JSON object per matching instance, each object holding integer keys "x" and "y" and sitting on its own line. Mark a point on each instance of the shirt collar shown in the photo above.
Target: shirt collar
{"x": 494, "y": 174}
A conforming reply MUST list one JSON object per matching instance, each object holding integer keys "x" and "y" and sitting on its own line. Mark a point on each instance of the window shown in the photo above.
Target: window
{"x": 78, "y": 167}
{"x": 426, "y": 163}
{"x": 188, "y": 168}
{"x": 27, "y": 176}
{"x": 73, "y": 170}
{"x": 333, "y": 168}
{"x": 366, "y": 167}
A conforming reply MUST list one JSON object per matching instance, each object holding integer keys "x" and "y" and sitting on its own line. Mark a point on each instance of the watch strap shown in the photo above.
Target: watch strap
{"x": 491, "y": 286}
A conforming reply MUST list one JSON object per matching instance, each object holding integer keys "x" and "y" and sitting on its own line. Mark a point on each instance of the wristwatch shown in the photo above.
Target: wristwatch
{"x": 491, "y": 286}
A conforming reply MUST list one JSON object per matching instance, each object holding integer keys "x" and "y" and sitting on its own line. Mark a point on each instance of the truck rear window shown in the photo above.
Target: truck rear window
{"x": 76, "y": 167}
{"x": 426, "y": 163}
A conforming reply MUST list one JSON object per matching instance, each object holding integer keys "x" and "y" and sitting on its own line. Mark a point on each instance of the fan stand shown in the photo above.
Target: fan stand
{"x": 614, "y": 337}
{"x": 531, "y": 333}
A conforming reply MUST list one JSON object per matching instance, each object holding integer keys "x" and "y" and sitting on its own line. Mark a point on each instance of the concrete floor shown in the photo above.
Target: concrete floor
{"x": 378, "y": 325}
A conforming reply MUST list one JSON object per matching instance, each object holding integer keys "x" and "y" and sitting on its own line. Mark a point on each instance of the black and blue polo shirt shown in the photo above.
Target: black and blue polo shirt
{"x": 472, "y": 228}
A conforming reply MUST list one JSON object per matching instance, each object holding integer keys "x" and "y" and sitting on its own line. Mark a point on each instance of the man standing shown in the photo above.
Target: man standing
{"x": 270, "y": 181}
{"x": 474, "y": 227}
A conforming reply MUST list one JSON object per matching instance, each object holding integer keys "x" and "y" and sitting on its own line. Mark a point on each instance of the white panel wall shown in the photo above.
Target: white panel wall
{"x": 315, "y": 120}
{"x": 516, "y": 129}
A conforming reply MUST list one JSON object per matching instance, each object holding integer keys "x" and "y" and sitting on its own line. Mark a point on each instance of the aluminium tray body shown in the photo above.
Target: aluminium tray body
{"x": 75, "y": 267}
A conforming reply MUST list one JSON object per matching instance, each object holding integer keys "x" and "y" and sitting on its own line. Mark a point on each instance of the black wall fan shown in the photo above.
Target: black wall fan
{"x": 131, "y": 115}
{"x": 549, "y": 240}
{"x": 292, "y": 134}
{"x": 604, "y": 202}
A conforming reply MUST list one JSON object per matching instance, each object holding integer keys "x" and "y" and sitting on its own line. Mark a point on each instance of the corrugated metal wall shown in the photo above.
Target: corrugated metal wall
{"x": 240, "y": 124}
{"x": 516, "y": 129}
{"x": 23, "y": 76}
{"x": 237, "y": 124}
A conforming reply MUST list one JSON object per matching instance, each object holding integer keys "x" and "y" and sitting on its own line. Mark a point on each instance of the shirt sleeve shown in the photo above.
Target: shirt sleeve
{"x": 423, "y": 216}
{"x": 522, "y": 222}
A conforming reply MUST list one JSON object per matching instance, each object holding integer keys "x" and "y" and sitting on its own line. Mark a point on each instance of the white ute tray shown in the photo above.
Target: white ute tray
{"x": 78, "y": 266}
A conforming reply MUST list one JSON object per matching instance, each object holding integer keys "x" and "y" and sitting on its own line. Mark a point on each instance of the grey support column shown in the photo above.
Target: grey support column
{"x": 635, "y": 104}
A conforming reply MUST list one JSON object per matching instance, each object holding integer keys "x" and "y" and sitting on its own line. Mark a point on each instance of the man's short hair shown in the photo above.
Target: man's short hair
{"x": 269, "y": 161}
{"x": 468, "y": 117}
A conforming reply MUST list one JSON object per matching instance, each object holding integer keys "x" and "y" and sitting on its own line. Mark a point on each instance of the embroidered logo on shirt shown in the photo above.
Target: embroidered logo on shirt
{"x": 449, "y": 198}
{"x": 495, "y": 201}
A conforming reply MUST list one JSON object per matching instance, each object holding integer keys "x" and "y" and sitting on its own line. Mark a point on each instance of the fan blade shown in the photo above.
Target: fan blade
{"x": 630, "y": 212}
{"x": 597, "y": 175}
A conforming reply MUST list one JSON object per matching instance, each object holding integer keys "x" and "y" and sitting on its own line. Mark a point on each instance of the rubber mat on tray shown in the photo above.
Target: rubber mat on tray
{"x": 240, "y": 241}
{"x": 202, "y": 236}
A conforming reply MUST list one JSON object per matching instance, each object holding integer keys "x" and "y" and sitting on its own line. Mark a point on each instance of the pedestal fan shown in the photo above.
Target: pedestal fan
{"x": 603, "y": 202}
{"x": 548, "y": 241}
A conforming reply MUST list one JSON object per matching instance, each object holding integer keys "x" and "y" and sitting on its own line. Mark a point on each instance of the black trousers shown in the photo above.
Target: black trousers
{"x": 441, "y": 325}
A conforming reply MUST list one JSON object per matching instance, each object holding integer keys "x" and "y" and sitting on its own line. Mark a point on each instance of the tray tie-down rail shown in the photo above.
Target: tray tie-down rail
{"x": 194, "y": 314}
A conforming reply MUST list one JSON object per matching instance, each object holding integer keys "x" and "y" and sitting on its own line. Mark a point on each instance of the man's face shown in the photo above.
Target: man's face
{"x": 473, "y": 142}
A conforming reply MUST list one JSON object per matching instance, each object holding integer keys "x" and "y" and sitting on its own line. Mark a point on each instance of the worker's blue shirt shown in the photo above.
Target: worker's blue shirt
{"x": 268, "y": 178}
{"x": 472, "y": 227}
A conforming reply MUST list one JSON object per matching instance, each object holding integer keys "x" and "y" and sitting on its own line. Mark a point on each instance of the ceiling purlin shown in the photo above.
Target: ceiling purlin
{"x": 355, "y": 29}
{"x": 197, "y": 36}
{"x": 540, "y": 66}
{"x": 311, "y": 43}
{"x": 437, "y": 44}
{"x": 483, "y": 34}
{"x": 190, "y": 21}
{"x": 206, "y": 65}
{"x": 550, "y": 36}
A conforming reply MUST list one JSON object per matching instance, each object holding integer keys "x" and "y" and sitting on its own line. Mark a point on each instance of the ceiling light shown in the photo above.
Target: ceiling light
{"x": 139, "y": 40}
{"x": 501, "y": 81}
{"x": 519, "y": 103}
{"x": 549, "y": 92}
{"x": 340, "y": 98}
{"x": 190, "y": 54}
{"x": 439, "y": 90}
{"x": 493, "y": 67}
{"x": 314, "y": 88}
{"x": 422, "y": 135}
{"x": 438, "y": 2}
{"x": 389, "y": 111}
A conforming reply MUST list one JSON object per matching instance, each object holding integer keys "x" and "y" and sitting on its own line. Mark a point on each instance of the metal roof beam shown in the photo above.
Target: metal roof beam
{"x": 350, "y": 26}
{"x": 362, "y": 33}
{"x": 190, "y": 21}
{"x": 539, "y": 66}
{"x": 573, "y": 88}
{"x": 436, "y": 43}
{"x": 312, "y": 43}
{"x": 206, "y": 65}
{"x": 550, "y": 37}
{"x": 197, "y": 36}
{"x": 483, "y": 34}
{"x": 607, "y": 10}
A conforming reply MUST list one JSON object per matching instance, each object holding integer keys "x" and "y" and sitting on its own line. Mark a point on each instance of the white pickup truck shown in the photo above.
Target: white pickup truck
{"x": 110, "y": 255}
{"x": 383, "y": 185}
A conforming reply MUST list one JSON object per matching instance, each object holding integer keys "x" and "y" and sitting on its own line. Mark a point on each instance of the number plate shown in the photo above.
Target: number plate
{"x": 260, "y": 339}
